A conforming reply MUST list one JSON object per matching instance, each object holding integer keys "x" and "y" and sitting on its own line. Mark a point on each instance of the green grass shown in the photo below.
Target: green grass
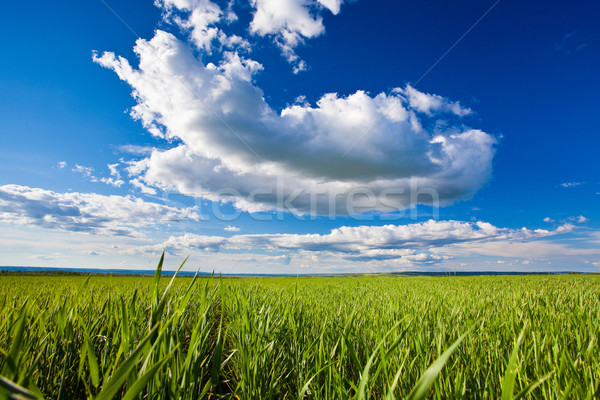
{"x": 376, "y": 337}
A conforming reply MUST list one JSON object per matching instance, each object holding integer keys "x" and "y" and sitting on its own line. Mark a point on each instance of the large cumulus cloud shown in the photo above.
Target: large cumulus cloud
{"x": 317, "y": 155}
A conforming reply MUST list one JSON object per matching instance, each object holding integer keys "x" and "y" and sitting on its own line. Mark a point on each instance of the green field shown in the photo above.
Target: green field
{"x": 285, "y": 338}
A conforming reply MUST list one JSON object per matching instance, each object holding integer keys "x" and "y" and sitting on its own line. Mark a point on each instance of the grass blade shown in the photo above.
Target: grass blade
{"x": 532, "y": 386}
{"x": 12, "y": 388}
{"x": 508, "y": 383}
{"x": 110, "y": 389}
{"x": 141, "y": 382}
{"x": 421, "y": 389}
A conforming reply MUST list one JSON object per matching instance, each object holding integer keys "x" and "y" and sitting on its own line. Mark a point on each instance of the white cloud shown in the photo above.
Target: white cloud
{"x": 201, "y": 18}
{"x": 580, "y": 219}
{"x": 87, "y": 172}
{"x": 231, "y": 138}
{"x": 230, "y": 228}
{"x": 115, "y": 176}
{"x": 62, "y": 164}
{"x": 571, "y": 184}
{"x": 289, "y": 22}
{"x": 203, "y": 14}
{"x": 143, "y": 188}
{"x": 407, "y": 244}
{"x": 430, "y": 103}
{"x": 536, "y": 249}
{"x": 136, "y": 149}
{"x": 113, "y": 170}
{"x": 112, "y": 181}
{"x": 84, "y": 212}
{"x": 45, "y": 257}
{"x": 333, "y": 5}
{"x": 548, "y": 219}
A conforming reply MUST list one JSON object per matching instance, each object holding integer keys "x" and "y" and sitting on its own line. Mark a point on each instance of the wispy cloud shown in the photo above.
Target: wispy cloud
{"x": 580, "y": 219}
{"x": 136, "y": 183}
{"x": 571, "y": 184}
{"x": 136, "y": 149}
{"x": 88, "y": 174}
{"x": 84, "y": 212}
{"x": 46, "y": 257}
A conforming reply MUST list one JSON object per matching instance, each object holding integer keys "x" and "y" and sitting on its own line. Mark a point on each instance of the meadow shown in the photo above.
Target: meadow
{"x": 360, "y": 337}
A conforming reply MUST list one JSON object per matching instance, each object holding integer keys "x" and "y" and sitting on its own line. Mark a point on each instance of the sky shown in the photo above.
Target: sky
{"x": 301, "y": 136}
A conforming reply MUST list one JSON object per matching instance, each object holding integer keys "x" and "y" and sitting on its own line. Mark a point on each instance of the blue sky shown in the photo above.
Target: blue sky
{"x": 193, "y": 139}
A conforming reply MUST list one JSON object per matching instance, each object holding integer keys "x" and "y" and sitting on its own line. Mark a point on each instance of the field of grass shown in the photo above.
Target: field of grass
{"x": 372, "y": 337}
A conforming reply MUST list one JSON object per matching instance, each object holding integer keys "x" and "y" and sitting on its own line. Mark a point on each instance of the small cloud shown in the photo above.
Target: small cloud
{"x": 136, "y": 150}
{"x": 62, "y": 164}
{"x": 112, "y": 181}
{"x": 113, "y": 170}
{"x": 91, "y": 253}
{"x": 548, "y": 219}
{"x": 580, "y": 219}
{"x": 143, "y": 188}
{"x": 571, "y": 184}
{"x": 87, "y": 172}
{"x": 46, "y": 257}
{"x": 526, "y": 262}
{"x": 230, "y": 228}
{"x": 302, "y": 101}
{"x": 299, "y": 67}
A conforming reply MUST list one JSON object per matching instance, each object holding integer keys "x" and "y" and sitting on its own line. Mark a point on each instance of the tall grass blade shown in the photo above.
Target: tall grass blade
{"x": 508, "y": 383}
{"x": 421, "y": 389}
{"x": 110, "y": 389}
{"x": 14, "y": 391}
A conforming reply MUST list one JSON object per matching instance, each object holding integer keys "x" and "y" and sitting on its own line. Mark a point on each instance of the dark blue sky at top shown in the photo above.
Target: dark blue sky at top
{"x": 529, "y": 70}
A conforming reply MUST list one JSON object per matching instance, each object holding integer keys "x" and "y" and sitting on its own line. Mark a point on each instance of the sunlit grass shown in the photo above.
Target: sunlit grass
{"x": 377, "y": 337}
